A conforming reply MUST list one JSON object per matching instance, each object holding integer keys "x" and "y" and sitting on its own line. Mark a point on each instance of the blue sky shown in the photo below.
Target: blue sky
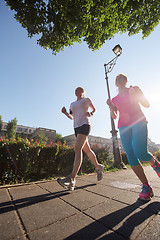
{"x": 35, "y": 84}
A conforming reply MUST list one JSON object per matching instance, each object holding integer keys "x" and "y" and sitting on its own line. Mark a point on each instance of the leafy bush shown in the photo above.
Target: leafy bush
{"x": 16, "y": 159}
{"x": 103, "y": 157}
{"x": 22, "y": 160}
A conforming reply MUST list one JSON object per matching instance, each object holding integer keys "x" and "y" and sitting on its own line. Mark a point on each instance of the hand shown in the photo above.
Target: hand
{"x": 132, "y": 91}
{"x": 64, "y": 110}
{"x": 135, "y": 93}
{"x": 111, "y": 105}
{"x": 88, "y": 114}
{"x": 109, "y": 102}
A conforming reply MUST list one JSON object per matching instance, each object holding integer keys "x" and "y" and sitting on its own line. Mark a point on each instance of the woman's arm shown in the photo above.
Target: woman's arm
{"x": 137, "y": 93}
{"x": 143, "y": 100}
{"x": 69, "y": 115}
{"x": 93, "y": 108}
{"x": 89, "y": 114}
{"x": 113, "y": 109}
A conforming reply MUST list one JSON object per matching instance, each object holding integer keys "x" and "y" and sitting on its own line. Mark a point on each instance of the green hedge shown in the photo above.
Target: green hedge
{"x": 23, "y": 160}
{"x": 36, "y": 161}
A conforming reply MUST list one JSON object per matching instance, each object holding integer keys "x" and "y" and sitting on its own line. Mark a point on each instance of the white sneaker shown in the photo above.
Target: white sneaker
{"x": 67, "y": 183}
{"x": 99, "y": 171}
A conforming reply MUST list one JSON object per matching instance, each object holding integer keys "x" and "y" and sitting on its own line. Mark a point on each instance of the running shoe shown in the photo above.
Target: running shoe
{"x": 99, "y": 172}
{"x": 156, "y": 167}
{"x": 67, "y": 183}
{"x": 146, "y": 192}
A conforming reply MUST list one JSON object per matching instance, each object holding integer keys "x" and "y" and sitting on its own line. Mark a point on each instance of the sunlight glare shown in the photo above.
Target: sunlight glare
{"x": 154, "y": 98}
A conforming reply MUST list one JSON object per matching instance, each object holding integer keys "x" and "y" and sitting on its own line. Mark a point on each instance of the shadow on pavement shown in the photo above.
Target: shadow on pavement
{"x": 92, "y": 231}
{"x": 28, "y": 201}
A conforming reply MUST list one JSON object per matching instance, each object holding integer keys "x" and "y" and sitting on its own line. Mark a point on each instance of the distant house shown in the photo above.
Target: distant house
{"x": 93, "y": 140}
{"x": 30, "y": 132}
{"x": 102, "y": 142}
{"x": 49, "y": 133}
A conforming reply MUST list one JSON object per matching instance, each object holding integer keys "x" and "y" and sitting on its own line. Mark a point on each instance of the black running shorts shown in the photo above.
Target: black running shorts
{"x": 84, "y": 129}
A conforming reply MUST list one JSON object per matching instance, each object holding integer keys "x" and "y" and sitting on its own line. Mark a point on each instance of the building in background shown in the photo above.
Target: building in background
{"x": 103, "y": 142}
{"x": 94, "y": 141}
{"x": 31, "y": 132}
{"x": 50, "y": 134}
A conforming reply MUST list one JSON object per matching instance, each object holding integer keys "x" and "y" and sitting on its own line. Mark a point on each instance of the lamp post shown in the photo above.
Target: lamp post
{"x": 108, "y": 68}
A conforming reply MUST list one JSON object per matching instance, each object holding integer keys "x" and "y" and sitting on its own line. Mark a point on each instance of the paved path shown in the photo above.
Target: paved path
{"x": 105, "y": 210}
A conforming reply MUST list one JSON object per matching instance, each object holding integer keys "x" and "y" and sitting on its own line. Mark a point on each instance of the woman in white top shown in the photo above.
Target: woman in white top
{"x": 80, "y": 115}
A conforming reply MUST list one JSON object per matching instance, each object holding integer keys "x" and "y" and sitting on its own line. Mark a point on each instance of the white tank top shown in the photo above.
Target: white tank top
{"x": 79, "y": 109}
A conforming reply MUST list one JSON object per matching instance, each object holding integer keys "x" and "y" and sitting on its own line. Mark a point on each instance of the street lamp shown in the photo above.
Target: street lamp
{"x": 108, "y": 68}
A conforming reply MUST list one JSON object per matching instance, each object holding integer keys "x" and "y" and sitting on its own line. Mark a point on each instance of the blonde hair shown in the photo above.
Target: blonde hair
{"x": 121, "y": 79}
{"x": 81, "y": 90}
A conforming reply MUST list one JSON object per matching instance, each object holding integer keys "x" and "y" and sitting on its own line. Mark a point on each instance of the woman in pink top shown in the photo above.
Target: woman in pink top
{"x": 80, "y": 115}
{"x": 133, "y": 130}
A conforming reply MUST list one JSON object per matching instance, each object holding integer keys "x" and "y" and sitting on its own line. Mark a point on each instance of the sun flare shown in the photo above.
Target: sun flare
{"x": 154, "y": 98}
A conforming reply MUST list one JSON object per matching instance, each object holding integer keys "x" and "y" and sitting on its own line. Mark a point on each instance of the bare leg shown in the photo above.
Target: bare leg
{"x": 138, "y": 170}
{"x": 80, "y": 141}
{"x": 91, "y": 155}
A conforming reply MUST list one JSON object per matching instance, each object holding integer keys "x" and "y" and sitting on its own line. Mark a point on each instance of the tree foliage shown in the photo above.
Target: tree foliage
{"x": 42, "y": 138}
{"x": 11, "y": 128}
{"x": 60, "y": 23}
{"x": 1, "y": 122}
{"x": 59, "y": 138}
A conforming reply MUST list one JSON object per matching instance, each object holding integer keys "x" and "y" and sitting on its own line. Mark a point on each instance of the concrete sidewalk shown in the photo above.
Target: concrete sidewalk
{"x": 105, "y": 210}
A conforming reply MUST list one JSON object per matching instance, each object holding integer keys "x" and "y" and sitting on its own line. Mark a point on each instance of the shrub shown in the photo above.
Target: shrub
{"x": 22, "y": 160}
{"x": 103, "y": 157}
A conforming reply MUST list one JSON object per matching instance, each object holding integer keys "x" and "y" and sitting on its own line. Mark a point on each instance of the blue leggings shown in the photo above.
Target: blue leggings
{"x": 135, "y": 142}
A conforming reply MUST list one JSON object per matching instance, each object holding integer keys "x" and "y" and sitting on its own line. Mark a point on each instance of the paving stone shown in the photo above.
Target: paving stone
{"x": 9, "y": 224}
{"x": 83, "y": 200}
{"x": 53, "y": 187}
{"x": 123, "y": 184}
{"x": 40, "y": 214}
{"x": 156, "y": 190}
{"x": 124, "y": 219}
{"x": 152, "y": 206}
{"x": 152, "y": 230}
{"x": 106, "y": 191}
{"x": 27, "y": 191}
{"x": 75, "y": 227}
{"x": 128, "y": 197}
{"x": 95, "y": 210}
{"x": 82, "y": 184}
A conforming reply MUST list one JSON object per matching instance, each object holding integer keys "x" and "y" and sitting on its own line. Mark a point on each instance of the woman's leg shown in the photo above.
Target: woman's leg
{"x": 140, "y": 142}
{"x": 91, "y": 155}
{"x": 138, "y": 170}
{"x": 140, "y": 145}
{"x": 129, "y": 140}
{"x": 80, "y": 141}
{"x": 126, "y": 134}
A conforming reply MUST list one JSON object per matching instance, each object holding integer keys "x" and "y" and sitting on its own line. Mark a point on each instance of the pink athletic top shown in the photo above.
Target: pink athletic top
{"x": 130, "y": 111}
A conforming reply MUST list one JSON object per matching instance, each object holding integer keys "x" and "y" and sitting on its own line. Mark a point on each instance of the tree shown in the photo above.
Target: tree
{"x": 60, "y": 23}
{"x": 59, "y": 138}
{"x": 11, "y": 128}
{"x": 1, "y": 122}
{"x": 41, "y": 137}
